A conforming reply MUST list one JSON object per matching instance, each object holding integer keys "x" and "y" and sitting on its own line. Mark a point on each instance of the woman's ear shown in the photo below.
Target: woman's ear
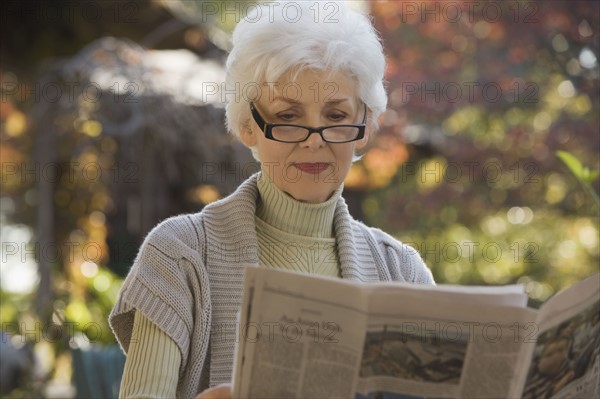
{"x": 247, "y": 135}
{"x": 360, "y": 144}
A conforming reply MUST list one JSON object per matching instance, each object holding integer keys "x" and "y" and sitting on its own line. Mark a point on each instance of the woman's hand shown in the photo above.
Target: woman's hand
{"x": 222, "y": 391}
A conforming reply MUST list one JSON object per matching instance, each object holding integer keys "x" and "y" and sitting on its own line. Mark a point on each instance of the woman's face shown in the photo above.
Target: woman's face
{"x": 312, "y": 170}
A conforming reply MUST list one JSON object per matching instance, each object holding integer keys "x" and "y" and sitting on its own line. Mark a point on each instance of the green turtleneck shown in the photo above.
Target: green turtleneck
{"x": 295, "y": 235}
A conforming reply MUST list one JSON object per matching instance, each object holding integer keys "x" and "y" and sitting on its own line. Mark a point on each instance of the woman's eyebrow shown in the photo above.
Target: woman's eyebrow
{"x": 332, "y": 101}
{"x": 287, "y": 100}
{"x": 335, "y": 101}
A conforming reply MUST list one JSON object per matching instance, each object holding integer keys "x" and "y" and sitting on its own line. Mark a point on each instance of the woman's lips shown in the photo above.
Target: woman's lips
{"x": 313, "y": 168}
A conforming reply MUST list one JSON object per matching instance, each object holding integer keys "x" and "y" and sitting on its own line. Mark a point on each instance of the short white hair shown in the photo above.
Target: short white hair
{"x": 291, "y": 36}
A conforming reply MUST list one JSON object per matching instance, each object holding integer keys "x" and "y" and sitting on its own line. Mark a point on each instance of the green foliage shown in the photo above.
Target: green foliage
{"x": 481, "y": 171}
{"x": 584, "y": 175}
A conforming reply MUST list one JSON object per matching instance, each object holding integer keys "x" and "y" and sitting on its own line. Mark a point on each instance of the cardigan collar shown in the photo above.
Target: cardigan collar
{"x": 228, "y": 255}
{"x": 241, "y": 249}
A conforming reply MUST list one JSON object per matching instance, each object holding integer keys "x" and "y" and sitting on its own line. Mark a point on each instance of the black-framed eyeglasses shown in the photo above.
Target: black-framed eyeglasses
{"x": 288, "y": 133}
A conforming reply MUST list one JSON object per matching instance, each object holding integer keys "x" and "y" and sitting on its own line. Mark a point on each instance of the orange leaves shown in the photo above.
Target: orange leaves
{"x": 379, "y": 165}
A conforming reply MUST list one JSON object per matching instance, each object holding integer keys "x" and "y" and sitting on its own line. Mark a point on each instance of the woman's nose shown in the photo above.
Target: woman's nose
{"x": 313, "y": 142}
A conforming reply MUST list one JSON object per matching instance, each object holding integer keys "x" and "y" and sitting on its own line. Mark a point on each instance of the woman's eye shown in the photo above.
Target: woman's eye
{"x": 286, "y": 117}
{"x": 337, "y": 117}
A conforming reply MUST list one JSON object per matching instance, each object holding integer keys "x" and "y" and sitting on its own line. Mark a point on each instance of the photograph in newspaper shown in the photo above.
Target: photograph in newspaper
{"x": 566, "y": 359}
{"x": 427, "y": 358}
{"x": 393, "y": 356}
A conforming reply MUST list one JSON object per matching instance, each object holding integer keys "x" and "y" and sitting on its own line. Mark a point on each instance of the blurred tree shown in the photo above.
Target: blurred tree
{"x": 97, "y": 149}
{"x": 481, "y": 96}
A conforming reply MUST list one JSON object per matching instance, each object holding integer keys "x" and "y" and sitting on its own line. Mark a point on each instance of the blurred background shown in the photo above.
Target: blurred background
{"x": 112, "y": 120}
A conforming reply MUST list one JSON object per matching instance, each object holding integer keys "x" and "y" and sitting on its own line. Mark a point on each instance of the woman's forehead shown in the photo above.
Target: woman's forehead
{"x": 310, "y": 86}
{"x": 311, "y": 75}
{"x": 328, "y": 101}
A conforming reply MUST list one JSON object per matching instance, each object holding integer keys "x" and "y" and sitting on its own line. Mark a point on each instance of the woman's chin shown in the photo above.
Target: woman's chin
{"x": 310, "y": 194}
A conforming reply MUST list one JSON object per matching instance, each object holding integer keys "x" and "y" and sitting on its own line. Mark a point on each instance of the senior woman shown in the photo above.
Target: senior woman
{"x": 316, "y": 90}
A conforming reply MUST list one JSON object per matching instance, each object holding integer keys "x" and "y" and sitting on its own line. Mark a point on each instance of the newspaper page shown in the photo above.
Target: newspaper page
{"x": 562, "y": 358}
{"x": 442, "y": 342}
{"x": 305, "y": 336}
{"x": 300, "y": 337}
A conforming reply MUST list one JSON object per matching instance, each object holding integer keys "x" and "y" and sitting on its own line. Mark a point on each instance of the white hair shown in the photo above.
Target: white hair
{"x": 287, "y": 37}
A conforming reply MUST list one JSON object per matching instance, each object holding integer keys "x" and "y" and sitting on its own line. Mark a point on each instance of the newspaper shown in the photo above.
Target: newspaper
{"x": 303, "y": 336}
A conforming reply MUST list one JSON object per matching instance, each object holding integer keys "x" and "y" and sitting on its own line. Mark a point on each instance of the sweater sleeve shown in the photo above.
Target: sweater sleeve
{"x": 168, "y": 284}
{"x": 152, "y": 365}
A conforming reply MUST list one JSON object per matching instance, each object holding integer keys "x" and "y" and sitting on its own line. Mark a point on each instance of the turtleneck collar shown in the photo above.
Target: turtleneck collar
{"x": 282, "y": 211}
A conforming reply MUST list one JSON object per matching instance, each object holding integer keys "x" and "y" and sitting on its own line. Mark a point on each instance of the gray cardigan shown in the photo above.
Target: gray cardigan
{"x": 188, "y": 279}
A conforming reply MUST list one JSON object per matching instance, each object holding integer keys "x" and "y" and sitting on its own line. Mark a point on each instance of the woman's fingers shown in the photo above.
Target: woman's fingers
{"x": 222, "y": 391}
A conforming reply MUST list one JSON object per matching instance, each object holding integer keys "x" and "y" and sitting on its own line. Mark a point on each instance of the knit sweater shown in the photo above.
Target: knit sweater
{"x": 291, "y": 235}
{"x": 188, "y": 278}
